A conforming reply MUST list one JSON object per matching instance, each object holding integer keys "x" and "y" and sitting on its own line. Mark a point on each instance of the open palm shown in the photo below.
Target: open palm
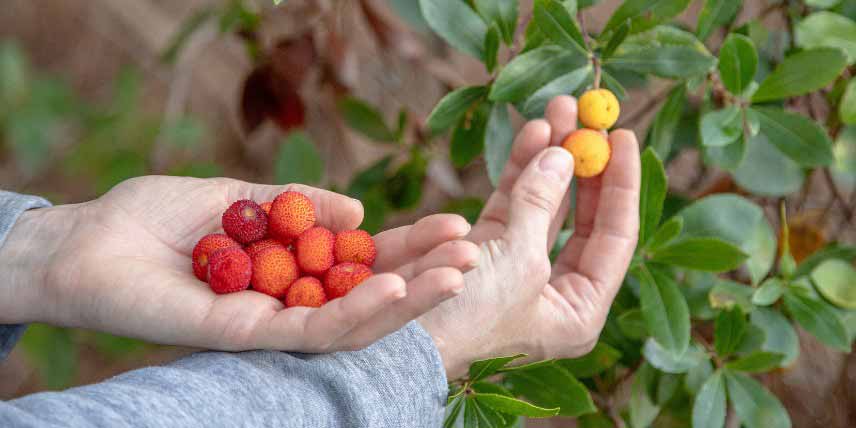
{"x": 517, "y": 301}
{"x": 125, "y": 268}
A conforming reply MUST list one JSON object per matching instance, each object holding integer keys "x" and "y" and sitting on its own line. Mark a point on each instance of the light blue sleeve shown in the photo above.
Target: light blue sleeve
{"x": 397, "y": 382}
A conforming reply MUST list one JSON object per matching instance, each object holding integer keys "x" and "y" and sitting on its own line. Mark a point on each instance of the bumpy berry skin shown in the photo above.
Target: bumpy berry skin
{"x": 355, "y": 246}
{"x": 314, "y": 249}
{"x": 291, "y": 214}
{"x": 274, "y": 270}
{"x": 258, "y": 246}
{"x": 591, "y": 152}
{"x": 203, "y": 249}
{"x": 343, "y": 277}
{"x": 229, "y": 270}
{"x": 306, "y": 291}
{"x": 245, "y": 221}
{"x": 598, "y": 109}
{"x": 266, "y": 206}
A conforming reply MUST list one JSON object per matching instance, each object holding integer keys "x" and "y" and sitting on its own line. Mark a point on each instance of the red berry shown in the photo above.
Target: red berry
{"x": 355, "y": 246}
{"x": 274, "y": 269}
{"x": 229, "y": 270}
{"x": 203, "y": 249}
{"x": 245, "y": 221}
{"x": 306, "y": 291}
{"x": 314, "y": 249}
{"x": 343, "y": 277}
{"x": 291, "y": 214}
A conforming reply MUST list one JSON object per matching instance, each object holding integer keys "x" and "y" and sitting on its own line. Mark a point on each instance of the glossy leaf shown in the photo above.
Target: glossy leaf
{"x": 532, "y": 70}
{"x": 467, "y": 140}
{"x": 827, "y": 29}
{"x": 766, "y": 171}
{"x": 800, "y": 138}
{"x": 653, "y": 193}
{"x": 298, "y": 161}
{"x": 755, "y": 406}
{"x": 600, "y": 358}
{"x": 549, "y": 386}
{"x": 457, "y": 23}
{"x": 498, "y": 139}
{"x": 819, "y": 319}
{"x": 729, "y": 329}
{"x": 453, "y": 106}
{"x": 847, "y": 105}
{"x": 365, "y": 119}
{"x": 709, "y": 405}
{"x": 737, "y": 62}
{"x": 779, "y": 335}
{"x": 707, "y": 254}
{"x": 513, "y": 406}
{"x": 661, "y": 134}
{"x": 667, "y": 362}
{"x": 501, "y": 12}
{"x": 672, "y": 61}
{"x": 643, "y": 409}
{"x": 491, "y": 48}
{"x": 836, "y": 281}
{"x": 756, "y": 362}
{"x": 721, "y": 127}
{"x": 665, "y": 310}
{"x": 716, "y": 13}
{"x": 831, "y": 251}
{"x": 769, "y": 292}
{"x": 483, "y": 368}
{"x": 666, "y": 233}
{"x": 645, "y": 14}
{"x": 558, "y": 25}
{"x": 801, "y": 73}
{"x": 563, "y": 85}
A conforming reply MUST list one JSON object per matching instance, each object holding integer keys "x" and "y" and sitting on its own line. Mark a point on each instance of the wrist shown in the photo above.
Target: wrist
{"x": 26, "y": 260}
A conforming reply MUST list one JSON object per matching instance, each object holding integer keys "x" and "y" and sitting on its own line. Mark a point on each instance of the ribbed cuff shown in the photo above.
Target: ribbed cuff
{"x": 12, "y": 205}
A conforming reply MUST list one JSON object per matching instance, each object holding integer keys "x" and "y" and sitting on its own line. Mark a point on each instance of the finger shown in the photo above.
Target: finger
{"x": 397, "y": 247}
{"x": 531, "y": 140}
{"x": 587, "y": 197}
{"x": 458, "y": 254}
{"x": 537, "y": 195}
{"x": 561, "y": 114}
{"x": 424, "y": 293}
{"x": 332, "y": 210}
{"x": 609, "y": 248}
{"x": 321, "y": 328}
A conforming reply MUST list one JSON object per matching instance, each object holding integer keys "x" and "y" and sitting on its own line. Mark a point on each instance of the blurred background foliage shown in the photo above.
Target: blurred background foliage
{"x": 339, "y": 94}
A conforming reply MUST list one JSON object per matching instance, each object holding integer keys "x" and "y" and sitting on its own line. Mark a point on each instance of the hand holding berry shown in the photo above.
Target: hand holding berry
{"x": 125, "y": 263}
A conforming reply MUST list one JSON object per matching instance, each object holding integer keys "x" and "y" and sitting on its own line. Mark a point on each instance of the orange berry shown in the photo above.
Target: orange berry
{"x": 291, "y": 214}
{"x": 258, "y": 246}
{"x": 314, "y": 249}
{"x": 598, "y": 109}
{"x": 306, "y": 291}
{"x": 355, "y": 246}
{"x": 274, "y": 270}
{"x": 266, "y": 206}
{"x": 343, "y": 277}
{"x": 591, "y": 152}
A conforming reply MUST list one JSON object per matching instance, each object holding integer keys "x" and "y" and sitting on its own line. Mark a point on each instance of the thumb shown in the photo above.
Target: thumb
{"x": 537, "y": 195}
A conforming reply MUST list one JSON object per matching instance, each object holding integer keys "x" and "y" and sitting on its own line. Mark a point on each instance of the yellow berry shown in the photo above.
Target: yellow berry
{"x": 598, "y": 109}
{"x": 591, "y": 152}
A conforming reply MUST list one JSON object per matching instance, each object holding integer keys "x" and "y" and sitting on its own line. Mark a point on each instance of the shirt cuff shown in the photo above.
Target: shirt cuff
{"x": 12, "y": 205}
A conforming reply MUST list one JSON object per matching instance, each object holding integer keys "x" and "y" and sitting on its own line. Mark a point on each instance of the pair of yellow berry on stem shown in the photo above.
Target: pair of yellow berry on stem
{"x": 598, "y": 111}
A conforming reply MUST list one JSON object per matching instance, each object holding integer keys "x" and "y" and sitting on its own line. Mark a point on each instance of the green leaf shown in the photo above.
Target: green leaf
{"x": 563, "y": 85}
{"x": 716, "y": 13}
{"x": 737, "y": 62}
{"x": 707, "y": 254}
{"x": 491, "y": 48}
{"x": 53, "y": 352}
{"x": 501, "y": 12}
{"x": 847, "y": 104}
{"x": 365, "y": 119}
{"x": 769, "y": 292}
{"x": 755, "y": 406}
{"x": 671, "y": 61}
{"x": 819, "y": 319}
{"x": 457, "y": 24}
{"x": 801, "y": 73}
{"x": 827, "y": 29}
{"x": 665, "y": 361}
{"x": 802, "y": 139}
{"x": 709, "y": 405}
{"x": 653, "y": 193}
{"x": 729, "y": 329}
{"x": 453, "y": 412}
{"x": 632, "y": 324}
{"x": 615, "y": 41}
{"x": 594, "y": 420}
{"x": 756, "y": 362}
{"x": 665, "y": 310}
{"x": 779, "y": 335}
{"x": 664, "y": 128}
{"x": 529, "y": 71}
{"x": 483, "y": 368}
{"x": 497, "y": 141}
{"x": 404, "y": 189}
{"x": 766, "y": 171}
{"x": 831, "y": 251}
{"x": 514, "y": 406}
{"x": 643, "y": 410}
{"x": 666, "y": 233}
{"x": 727, "y": 157}
{"x": 736, "y": 220}
{"x": 613, "y": 85}
{"x": 467, "y": 140}
{"x": 453, "y": 106}
{"x": 645, "y": 14}
{"x": 721, "y": 127}
{"x": 298, "y": 161}
{"x": 595, "y": 362}
{"x": 549, "y": 386}
{"x": 558, "y": 25}
{"x": 468, "y": 208}
{"x": 824, "y": 4}
{"x": 727, "y": 294}
{"x": 836, "y": 281}
{"x": 477, "y": 415}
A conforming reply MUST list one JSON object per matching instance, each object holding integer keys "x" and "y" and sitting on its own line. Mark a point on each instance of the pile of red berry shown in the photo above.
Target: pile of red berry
{"x": 277, "y": 249}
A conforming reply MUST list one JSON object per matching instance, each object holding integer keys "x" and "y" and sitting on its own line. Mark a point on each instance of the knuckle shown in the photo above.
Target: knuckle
{"x": 539, "y": 198}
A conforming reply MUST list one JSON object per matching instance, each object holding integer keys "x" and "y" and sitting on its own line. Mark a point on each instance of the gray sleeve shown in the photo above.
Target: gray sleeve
{"x": 397, "y": 382}
{"x": 12, "y": 205}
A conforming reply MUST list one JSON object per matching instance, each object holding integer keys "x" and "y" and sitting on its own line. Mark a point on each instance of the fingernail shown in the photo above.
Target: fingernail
{"x": 556, "y": 162}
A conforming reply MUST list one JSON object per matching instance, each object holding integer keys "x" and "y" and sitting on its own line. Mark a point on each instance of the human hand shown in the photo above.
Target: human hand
{"x": 515, "y": 301}
{"x": 121, "y": 264}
